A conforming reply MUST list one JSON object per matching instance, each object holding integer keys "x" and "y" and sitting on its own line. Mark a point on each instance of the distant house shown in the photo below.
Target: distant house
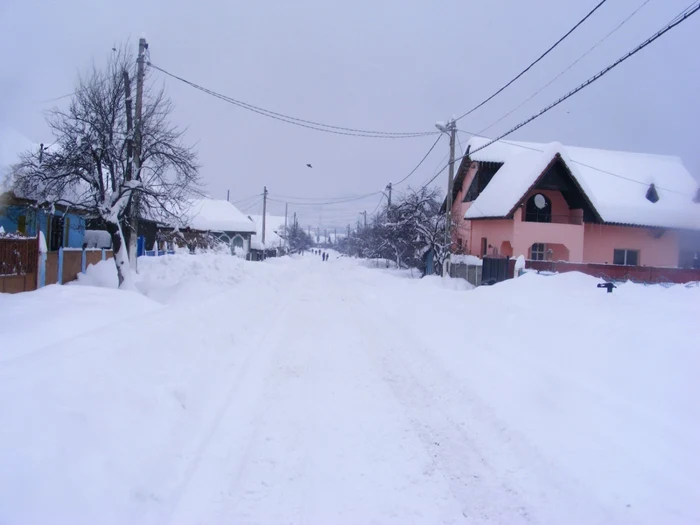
{"x": 274, "y": 232}
{"x": 221, "y": 219}
{"x": 555, "y": 202}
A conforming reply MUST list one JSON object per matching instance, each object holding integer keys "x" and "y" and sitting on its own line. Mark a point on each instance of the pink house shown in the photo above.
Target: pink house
{"x": 562, "y": 203}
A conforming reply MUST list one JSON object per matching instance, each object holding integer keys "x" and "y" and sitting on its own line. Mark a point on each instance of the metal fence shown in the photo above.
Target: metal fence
{"x": 471, "y": 273}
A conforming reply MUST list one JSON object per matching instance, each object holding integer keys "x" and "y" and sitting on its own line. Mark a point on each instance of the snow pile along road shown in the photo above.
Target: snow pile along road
{"x": 302, "y": 391}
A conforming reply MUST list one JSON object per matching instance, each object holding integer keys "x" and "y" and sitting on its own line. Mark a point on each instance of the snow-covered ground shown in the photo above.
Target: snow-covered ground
{"x": 208, "y": 399}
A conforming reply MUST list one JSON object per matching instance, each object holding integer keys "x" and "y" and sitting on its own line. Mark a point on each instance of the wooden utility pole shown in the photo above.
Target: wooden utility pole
{"x": 389, "y": 187}
{"x": 365, "y": 215}
{"x": 228, "y": 195}
{"x": 286, "y": 230}
{"x": 264, "y": 212}
{"x": 451, "y": 128}
{"x": 137, "y": 146}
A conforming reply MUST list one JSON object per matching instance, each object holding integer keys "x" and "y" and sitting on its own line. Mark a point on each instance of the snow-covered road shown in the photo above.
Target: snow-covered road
{"x": 304, "y": 392}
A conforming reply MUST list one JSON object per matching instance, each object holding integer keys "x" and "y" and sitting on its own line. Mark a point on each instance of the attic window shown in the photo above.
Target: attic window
{"x": 652, "y": 194}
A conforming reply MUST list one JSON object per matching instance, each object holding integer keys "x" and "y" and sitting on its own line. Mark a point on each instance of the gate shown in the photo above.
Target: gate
{"x": 18, "y": 264}
{"x": 494, "y": 270}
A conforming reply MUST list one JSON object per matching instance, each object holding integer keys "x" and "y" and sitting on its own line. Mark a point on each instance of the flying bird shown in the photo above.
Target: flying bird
{"x": 309, "y": 166}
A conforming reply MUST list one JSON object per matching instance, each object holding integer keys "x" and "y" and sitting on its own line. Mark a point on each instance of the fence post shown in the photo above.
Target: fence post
{"x": 60, "y": 265}
{"x": 83, "y": 262}
{"x": 104, "y": 254}
{"x": 42, "y": 269}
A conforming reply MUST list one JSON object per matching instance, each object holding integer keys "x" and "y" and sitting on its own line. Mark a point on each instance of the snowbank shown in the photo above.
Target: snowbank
{"x": 471, "y": 260}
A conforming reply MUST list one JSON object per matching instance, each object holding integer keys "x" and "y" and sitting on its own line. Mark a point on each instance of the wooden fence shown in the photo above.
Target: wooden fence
{"x": 614, "y": 272}
{"x": 23, "y": 268}
{"x": 18, "y": 265}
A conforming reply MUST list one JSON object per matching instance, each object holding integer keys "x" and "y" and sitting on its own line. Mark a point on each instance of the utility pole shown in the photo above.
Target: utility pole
{"x": 138, "y": 142}
{"x": 365, "y": 215}
{"x": 308, "y": 231}
{"x": 264, "y": 212}
{"x": 348, "y": 231}
{"x": 451, "y": 128}
{"x": 286, "y": 230}
{"x": 228, "y": 195}
{"x": 389, "y": 187}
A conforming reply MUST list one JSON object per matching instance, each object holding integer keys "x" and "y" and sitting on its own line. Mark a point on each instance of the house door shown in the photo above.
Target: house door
{"x": 56, "y": 235}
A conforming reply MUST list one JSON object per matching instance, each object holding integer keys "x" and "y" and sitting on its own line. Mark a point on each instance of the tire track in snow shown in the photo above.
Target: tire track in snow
{"x": 508, "y": 468}
{"x": 234, "y": 432}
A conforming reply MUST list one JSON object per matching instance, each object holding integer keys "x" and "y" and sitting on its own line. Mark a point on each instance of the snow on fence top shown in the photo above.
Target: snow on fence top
{"x": 217, "y": 216}
{"x": 615, "y": 182}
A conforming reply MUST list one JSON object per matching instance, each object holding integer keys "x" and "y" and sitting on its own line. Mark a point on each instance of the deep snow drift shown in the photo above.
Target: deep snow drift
{"x": 298, "y": 391}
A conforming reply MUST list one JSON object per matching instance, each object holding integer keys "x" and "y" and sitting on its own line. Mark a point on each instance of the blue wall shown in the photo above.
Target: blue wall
{"x": 75, "y": 224}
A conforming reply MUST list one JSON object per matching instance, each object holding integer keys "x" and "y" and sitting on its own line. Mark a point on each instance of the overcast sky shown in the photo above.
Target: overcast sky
{"x": 392, "y": 65}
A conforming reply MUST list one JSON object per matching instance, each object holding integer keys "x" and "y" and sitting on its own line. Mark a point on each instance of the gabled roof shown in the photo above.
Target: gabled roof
{"x": 217, "y": 216}
{"x": 614, "y": 182}
{"x": 274, "y": 224}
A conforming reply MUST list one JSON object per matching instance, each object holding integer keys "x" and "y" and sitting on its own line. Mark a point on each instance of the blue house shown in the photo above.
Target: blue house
{"x": 61, "y": 227}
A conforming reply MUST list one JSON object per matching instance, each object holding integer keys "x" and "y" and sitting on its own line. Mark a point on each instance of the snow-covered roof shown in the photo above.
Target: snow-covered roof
{"x": 274, "y": 225}
{"x": 217, "y": 216}
{"x": 615, "y": 182}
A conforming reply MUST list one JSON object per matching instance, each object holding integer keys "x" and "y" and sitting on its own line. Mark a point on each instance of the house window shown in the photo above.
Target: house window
{"x": 484, "y": 246}
{"x": 459, "y": 242}
{"x": 538, "y": 252}
{"x": 538, "y": 209}
{"x": 237, "y": 244}
{"x": 22, "y": 224}
{"x": 626, "y": 257}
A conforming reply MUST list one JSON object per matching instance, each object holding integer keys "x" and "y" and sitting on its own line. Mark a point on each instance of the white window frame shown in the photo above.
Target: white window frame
{"x": 537, "y": 255}
{"x": 626, "y": 251}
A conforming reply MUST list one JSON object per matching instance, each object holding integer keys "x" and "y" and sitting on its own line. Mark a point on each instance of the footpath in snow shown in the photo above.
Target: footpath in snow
{"x": 308, "y": 392}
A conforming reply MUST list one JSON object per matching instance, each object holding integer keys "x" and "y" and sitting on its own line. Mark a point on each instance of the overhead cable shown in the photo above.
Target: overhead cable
{"x": 310, "y": 124}
{"x": 590, "y": 13}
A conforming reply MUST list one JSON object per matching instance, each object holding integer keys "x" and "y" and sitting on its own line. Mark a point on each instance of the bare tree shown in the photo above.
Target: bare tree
{"x": 413, "y": 227}
{"x": 91, "y": 167}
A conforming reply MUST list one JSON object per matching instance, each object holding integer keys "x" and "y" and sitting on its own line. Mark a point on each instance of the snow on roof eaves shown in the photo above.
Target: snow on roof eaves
{"x": 216, "y": 216}
{"x": 615, "y": 182}
{"x": 273, "y": 225}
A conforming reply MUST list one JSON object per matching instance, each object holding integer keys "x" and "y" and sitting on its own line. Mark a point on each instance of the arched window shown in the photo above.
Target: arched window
{"x": 237, "y": 245}
{"x": 538, "y": 209}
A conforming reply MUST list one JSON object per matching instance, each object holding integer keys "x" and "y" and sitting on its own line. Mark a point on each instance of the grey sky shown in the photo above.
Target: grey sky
{"x": 390, "y": 65}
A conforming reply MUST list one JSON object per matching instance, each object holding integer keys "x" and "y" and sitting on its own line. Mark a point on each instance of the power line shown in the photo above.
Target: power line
{"x": 327, "y": 203}
{"x": 684, "y": 15}
{"x": 247, "y": 198}
{"x": 310, "y": 124}
{"x": 421, "y": 161}
{"x": 253, "y": 205}
{"x": 617, "y": 28}
{"x": 590, "y": 13}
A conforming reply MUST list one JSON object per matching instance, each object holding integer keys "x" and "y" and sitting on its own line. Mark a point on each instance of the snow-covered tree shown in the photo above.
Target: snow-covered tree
{"x": 297, "y": 239}
{"x": 92, "y": 167}
{"x": 404, "y": 233}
